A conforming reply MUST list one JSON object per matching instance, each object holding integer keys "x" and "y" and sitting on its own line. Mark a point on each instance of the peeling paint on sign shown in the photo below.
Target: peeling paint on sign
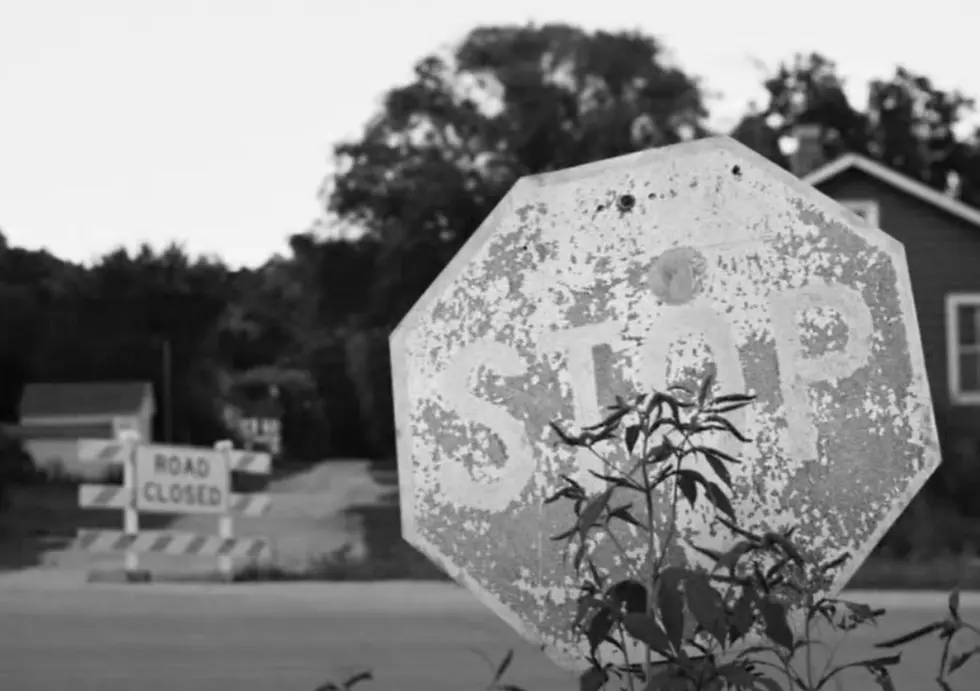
{"x": 564, "y": 298}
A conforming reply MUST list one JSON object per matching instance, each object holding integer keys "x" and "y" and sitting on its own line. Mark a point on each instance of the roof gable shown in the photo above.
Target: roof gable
{"x": 901, "y": 182}
{"x": 51, "y": 399}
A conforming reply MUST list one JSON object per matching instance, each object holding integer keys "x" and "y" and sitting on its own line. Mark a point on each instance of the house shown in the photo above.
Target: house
{"x": 53, "y": 416}
{"x": 942, "y": 244}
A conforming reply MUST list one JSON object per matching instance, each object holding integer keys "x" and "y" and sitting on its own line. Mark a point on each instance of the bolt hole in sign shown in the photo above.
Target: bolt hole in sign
{"x": 634, "y": 273}
{"x": 174, "y": 479}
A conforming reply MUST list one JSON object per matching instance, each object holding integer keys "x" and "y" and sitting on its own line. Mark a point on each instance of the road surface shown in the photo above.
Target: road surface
{"x": 292, "y": 637}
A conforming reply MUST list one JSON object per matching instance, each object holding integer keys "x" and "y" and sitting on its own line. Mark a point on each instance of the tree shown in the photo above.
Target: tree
{"x": 30, "y": 281}
{"x": 507, "y": 102}
{"x": 914, "y": 125}
{"x": 128, "y": 315}
{"x": 908, "y": 123}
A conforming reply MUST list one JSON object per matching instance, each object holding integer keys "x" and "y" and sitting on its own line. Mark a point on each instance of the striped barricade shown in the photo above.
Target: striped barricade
{"x": 172, "y": 543}
{"x": 118, "y": 497}
{"x": 175, "y": 480}
{"x": 103, "y": 451}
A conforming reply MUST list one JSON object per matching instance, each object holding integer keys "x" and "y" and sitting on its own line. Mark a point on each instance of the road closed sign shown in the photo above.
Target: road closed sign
{"x": 176, "y": 479}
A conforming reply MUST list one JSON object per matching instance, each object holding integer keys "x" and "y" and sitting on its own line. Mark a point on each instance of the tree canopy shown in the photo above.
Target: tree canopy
{"x": 908, "y": 123}
{"x": 508, "y": 101}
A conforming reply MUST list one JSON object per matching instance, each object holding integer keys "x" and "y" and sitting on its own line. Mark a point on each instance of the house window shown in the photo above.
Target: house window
{"x": 963, "y": 347}
{"x": 866, "y": 209}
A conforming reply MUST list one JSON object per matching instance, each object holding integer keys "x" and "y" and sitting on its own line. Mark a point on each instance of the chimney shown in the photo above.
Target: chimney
{"x": 808, "y": 155}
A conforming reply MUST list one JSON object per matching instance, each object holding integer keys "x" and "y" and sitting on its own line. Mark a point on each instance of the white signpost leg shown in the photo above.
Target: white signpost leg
{"x": 226, "y": 528}
{"x": 225, "y": 564}
{"x": 131, "y": 518}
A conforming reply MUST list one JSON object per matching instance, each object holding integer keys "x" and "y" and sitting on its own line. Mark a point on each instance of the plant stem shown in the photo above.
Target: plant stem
{"x": 626, "y": 658}
{"x": 616, "y": 542}
{"x": 652, "y": 578}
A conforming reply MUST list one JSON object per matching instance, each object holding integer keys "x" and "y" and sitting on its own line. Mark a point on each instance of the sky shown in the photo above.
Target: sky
{"x": 211, "y": 122}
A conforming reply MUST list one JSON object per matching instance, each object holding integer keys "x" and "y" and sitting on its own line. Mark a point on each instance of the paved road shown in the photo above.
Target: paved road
{"x": 422, "y": 637}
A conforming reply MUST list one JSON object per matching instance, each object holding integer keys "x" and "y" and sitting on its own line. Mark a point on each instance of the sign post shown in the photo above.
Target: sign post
{"x": 173, "y": 480}
{"x": 226, "y": 529}
{"x": 131, "y": 518}
{"x": 640, "y": 272}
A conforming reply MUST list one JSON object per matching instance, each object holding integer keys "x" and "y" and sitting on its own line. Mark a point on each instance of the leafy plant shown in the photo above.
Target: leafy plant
{"x": 749, "y": 621}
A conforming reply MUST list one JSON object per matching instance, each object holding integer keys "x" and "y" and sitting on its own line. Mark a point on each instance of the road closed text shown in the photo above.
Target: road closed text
{"x": 181, "y": 480}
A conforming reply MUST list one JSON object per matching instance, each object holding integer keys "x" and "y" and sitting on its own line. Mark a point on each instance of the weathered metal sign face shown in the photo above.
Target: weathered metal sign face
{"x": 639, "y": 272}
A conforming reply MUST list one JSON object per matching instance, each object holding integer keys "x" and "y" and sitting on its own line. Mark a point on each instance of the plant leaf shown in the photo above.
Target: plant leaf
{"x": 617, "y": 480}
{"x": 726, "y": 407}
{"x": 714, "y": 555}
{"x": 586, "y": 605}
{"x": 624, "y": 514}
{"x": 611, "y": 420}
{"x": 580, "y": 553}
{"x": 670, "y": 602}
{"x": 592, "y": 511}
{"x": 592, "y": 679}
{"x": 599, "y": 627}
{"x": 706, "y": 606}
{"x": 961, "y": 659}
{"x": 687, "y": 482}
{"x": 735, "y": 398}
{"x": 914, "y": 635}
{"x": 569, "y": 439}
{"x": 629, "y": 593}
{"x": 872, "y": 664}
{"x": 725, "y": 424}
{"x": 503, "y": 666}
{"x": 742, "y": 616}
{"x": 954, "y": 604}
{"x": 632, "y": 435}
{"x": 644, "y": 628}
{"x": 659, "y": 453}
{"x": 717, "y": 496}
{"x": 567, "y": 534}
{"x": 834, "y": 563}
{"x": 718, "y": 466}
{"x": 777, "y": 627}
{"x": 786, "y": 545}
{"x": 729, "y": 560}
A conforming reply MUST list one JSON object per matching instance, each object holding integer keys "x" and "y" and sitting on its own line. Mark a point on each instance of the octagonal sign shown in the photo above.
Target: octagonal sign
{"x": 632, "y": 274}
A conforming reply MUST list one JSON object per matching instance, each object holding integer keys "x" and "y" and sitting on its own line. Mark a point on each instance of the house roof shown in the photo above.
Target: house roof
{"x": 97, "y": 430}
{"x": 901, "y": 182}
{"x": 83, "y": 398}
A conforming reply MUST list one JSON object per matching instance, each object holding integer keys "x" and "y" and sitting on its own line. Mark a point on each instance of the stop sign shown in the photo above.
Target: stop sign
{"x": 633, "y": 274}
